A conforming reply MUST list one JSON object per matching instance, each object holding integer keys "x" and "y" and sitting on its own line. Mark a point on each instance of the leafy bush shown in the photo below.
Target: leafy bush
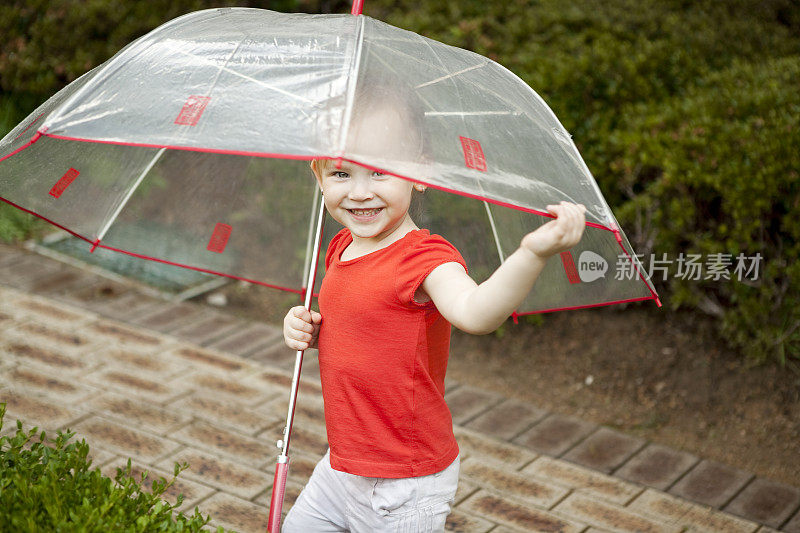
{"x": 47, "y": 485}
{"x": 48, "y": 44}
{"x": 715, "y": 171}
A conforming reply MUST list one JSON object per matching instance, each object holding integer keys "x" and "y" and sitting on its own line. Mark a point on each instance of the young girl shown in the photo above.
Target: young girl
{"x": 388, "y": 298}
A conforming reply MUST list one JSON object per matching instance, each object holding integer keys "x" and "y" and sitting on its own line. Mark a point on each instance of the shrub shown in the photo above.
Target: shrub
{"x": 715, "y": 171}
{"x": 48, "y": 485}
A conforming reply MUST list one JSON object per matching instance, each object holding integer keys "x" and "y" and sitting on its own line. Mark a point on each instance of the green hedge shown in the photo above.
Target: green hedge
{"x": 682, "y": 110}
{"x": 48, "y": 485}
{"x": 715, "y": 171}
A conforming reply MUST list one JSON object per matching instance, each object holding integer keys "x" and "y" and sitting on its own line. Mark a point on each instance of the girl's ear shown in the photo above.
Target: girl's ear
{"x": 420, "y": 187}
{"x": 316, "y": 169}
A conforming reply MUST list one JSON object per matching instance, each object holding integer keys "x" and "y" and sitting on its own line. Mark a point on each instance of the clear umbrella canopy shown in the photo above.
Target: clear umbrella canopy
{"x": 192, "y": 145}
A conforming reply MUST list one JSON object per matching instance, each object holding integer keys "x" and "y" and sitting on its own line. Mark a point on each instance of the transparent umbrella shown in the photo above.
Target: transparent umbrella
{"x": 190, "y": 146}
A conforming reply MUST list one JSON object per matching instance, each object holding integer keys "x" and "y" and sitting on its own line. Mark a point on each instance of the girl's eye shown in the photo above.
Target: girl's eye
{"x": 378, "y": 174}
{"x": 339, "y": 174}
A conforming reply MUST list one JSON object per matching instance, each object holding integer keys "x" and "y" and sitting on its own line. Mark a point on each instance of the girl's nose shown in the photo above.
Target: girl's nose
{"x": 361, "y": 190}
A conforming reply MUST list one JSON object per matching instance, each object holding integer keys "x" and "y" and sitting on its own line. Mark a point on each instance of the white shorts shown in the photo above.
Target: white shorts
{"x": 338, "y": 501}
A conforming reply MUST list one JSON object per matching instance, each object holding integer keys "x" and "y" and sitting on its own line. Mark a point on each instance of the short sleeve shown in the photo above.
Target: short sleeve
{"x": 419, "y": 260}
{"x": 335, "y": 246}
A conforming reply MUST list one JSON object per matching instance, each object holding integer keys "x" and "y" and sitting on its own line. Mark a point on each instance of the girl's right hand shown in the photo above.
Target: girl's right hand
{"x": 301, "y": 328}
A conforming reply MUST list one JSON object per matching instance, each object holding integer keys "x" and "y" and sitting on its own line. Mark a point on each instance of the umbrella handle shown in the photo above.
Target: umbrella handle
{"x": 278, "y": 491}
{"x": 282, "y": 467}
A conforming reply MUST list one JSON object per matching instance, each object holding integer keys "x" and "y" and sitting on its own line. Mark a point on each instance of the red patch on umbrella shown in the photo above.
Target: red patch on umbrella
{"x": 192, "y": 109}
{"x": 64, "y": 182}
{"x": 219, "y": 239}
{"x": 569, "y": 267}
{"x": 473, "y": 153}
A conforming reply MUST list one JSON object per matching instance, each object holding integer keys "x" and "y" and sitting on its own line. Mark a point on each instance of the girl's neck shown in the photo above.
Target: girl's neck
{"x": 366, "y": 245}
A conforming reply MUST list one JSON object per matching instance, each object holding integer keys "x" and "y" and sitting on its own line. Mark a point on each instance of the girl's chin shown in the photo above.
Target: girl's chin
{"x": 365, "y": 233}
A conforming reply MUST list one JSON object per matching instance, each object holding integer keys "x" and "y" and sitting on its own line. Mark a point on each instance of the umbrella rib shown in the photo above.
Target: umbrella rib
{"x": 464, "y": 113}
{"x": 494, "y": 232}
{"x": 610, "y": 220}
{"x": 392, "y": 50}
{"x": 249, "y": 78}
{"x": 437, "y": 80}
{"x": 310, "y": 241}
{"x": 130, "y": 193}
{"x": 355, "y": 62}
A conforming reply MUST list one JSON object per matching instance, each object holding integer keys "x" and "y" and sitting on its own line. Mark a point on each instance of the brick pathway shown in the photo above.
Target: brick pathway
{"x": 163, "y": 382}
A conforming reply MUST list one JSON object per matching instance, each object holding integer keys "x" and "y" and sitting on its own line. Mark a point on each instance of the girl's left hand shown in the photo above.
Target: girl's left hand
{"x": 559, "y": 234}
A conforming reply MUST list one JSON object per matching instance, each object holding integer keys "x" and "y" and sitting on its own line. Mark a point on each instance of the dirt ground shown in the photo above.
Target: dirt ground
{"x": 649, "y": 372}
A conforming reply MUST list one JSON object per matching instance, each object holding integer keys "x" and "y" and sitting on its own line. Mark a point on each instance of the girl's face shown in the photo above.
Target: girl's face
{"x": 370, "y": 204}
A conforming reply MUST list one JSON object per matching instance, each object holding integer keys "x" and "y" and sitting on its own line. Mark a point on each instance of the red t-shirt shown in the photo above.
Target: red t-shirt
{"x": 382, "y": 359}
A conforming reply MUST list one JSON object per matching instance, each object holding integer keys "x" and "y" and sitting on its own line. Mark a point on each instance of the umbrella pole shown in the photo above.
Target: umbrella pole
{"x": 282, "y": 466}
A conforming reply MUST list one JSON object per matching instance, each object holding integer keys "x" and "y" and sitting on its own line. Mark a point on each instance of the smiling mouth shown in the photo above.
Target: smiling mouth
{"x": 365, "y": 212}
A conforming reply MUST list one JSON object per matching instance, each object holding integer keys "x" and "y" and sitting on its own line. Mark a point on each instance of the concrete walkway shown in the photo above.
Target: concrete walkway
{"x": 162, "y": 382}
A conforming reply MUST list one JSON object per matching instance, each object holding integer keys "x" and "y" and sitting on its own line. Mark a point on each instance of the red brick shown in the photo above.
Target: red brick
{"x": 657, "y": 466}
{"x": 308, "y": 409}
{"x": 711, "y": 483}
{"x": 460, "y": 522}
{"x": 235, "y": 514}
{"x": 63, "y": 339}
{"x": 208, "y": 327}
{"x": 56, "y": 360}
{"x": 492, "y": 506}
{"x": 226, "y": 413}
{"x": 23, "y": 274}
{"x": 793, "y": 525}
{"x": 229, "y": 387}
{"x": 538, "y": 492}
{"x": 507, "y": 419}
{"x": 225, "y": 475}
{"x": 93, "y": 294}
{"x": 609, "y": 516}
{"x": 168, "y": 317}
{"x": 237, "y": 447}
{"x": 282, "y": 382}
{"x": 583, "y": 479}
{"x": 276, "y": 354}
{"x": 765, "y": 501}
{"x": 123, "y": 334}
{"x": 61, "y": 281}
{"x": 65, "y": 390}
{"x": 474, "y": 444}
{"x": 121, "y": 380}
{"x": 45, "y": 311}
{"x": 135, "y": 411}
{"x": 141, "y": 362}
{"x": 690, "y": 516}
{"x": 206, "y": 358}
{"x": 38, "y": 410}
{"x": 604, "y": 450}
{"x": 125, "y": 440}
{"x": 465, "y": 490}
{"x": 467, "y": 402}
{"x": 248, "y": 338}
{"x": 555, "y": 434}
{"x": 129, "y": 305}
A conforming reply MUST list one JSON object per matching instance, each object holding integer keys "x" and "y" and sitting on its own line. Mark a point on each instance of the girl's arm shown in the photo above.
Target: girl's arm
{"x": 480, "y": 309}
